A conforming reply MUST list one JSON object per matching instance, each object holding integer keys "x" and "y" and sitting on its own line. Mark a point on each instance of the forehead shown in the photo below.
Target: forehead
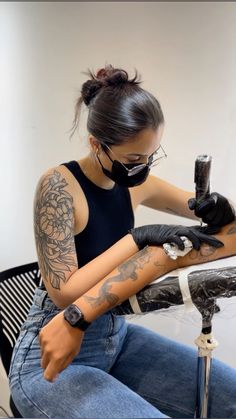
{"x": 145, "y": 142}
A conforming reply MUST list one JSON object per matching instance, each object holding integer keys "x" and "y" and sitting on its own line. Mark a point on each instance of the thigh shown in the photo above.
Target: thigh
{"x": 164, "y": 372}
{"x": 79, "y": 392}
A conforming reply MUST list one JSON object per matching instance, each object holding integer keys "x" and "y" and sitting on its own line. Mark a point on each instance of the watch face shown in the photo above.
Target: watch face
{"x": 73, "y": 314}
{"x": 75, "y": 317}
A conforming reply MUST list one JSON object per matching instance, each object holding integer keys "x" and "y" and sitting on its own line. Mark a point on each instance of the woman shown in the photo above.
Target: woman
{"x": 91, "y": 259}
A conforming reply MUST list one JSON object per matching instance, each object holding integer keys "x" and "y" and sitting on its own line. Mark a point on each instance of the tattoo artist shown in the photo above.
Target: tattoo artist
{"x": 75, "y": 358}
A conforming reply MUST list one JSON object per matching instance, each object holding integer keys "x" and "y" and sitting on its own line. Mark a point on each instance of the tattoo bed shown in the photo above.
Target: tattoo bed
{"x": 193, "y": 286}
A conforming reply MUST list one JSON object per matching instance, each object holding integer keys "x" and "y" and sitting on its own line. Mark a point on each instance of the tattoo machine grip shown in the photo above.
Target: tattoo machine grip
{"x": 202, "y": 176}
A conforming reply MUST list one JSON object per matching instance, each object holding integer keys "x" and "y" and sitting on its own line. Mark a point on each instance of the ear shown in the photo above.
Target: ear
{"x": 94, "y": 143}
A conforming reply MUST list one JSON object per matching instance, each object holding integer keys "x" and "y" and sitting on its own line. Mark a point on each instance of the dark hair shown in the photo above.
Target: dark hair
{"x": 118, "y": 107}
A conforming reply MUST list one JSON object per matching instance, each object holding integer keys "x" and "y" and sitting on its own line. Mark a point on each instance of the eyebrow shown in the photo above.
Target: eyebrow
{"x": 143, "y": 155}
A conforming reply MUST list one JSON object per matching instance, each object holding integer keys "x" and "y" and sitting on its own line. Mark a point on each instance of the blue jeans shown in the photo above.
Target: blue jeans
{"x": 122, "y": 371}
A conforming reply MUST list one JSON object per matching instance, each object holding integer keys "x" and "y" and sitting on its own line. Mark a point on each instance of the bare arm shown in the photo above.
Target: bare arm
{"x": 161, "y": 195}
{"x": 54, "y": 224}
{"x": 145, "y": 266}
{"x": 158, "y": 194}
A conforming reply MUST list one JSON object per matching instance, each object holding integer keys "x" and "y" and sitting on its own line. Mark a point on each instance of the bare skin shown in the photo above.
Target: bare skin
{"x": 60, "y": 342}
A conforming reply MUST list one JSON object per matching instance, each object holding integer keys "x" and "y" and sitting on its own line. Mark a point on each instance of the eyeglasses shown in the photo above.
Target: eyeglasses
{"x": 136, "y": 169}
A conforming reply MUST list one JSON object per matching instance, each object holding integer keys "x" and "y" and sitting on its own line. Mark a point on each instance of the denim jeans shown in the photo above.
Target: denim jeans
{"x": 122, "y": 371}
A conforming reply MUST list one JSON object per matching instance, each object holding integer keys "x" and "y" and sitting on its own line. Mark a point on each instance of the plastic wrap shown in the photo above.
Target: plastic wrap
{"x": 193, "y": 285}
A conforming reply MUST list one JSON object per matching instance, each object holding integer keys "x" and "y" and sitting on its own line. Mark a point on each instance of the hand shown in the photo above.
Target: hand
{"x": 60, "y": 343}
{"x": 214, "y": 210}
{"x": 158, "y": 234}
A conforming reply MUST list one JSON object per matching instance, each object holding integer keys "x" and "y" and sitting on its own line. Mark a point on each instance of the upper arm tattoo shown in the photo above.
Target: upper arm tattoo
{"x": 53, "y": 229}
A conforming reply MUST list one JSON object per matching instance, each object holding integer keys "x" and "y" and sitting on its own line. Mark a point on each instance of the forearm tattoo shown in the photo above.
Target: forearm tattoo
{"x": 232, "y": 229}
{"x": 127, "y": 270}
{"x": 203, "y": 254}
{"x": 53, "y": 229}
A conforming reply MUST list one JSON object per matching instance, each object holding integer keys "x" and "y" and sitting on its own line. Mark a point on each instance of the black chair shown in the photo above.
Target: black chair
{"x": 17, "y": 287}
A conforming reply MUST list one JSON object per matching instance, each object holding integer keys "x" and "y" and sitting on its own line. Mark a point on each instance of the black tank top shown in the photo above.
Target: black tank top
{"x": 110, "y": 216}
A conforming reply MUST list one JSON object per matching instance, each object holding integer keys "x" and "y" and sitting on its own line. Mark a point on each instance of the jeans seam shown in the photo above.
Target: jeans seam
{"x": 14, "y": 353}
{"x": 31, "y": 401}
{"x": 20, "y": 370}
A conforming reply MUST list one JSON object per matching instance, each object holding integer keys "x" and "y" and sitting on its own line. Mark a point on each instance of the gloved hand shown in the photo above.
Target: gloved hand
{"x": 214, "y": 210}
{"x": 158, "y": 234}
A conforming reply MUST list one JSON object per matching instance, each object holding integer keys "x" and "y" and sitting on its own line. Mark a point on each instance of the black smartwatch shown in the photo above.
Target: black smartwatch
{"x": 74, "y": 316}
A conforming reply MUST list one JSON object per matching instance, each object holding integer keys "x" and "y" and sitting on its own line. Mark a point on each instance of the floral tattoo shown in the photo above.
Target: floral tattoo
{"x": 53, "y": 229}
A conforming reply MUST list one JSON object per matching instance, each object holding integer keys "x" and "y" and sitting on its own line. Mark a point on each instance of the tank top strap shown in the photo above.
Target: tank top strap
{"x": 86, "y": 184}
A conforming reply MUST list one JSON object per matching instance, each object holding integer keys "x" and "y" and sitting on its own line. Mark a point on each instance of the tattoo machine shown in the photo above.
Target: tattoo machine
{"x": 202, "y": 191}
{"x": 202, "y": 177}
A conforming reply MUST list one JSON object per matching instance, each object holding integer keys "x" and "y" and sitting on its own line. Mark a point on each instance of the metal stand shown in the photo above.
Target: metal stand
{"x": 206, "y": 343}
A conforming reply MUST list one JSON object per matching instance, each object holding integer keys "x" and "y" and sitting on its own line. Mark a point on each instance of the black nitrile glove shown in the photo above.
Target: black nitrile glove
{"x": 158, "y": 234}
{"x": 214, "y": 210}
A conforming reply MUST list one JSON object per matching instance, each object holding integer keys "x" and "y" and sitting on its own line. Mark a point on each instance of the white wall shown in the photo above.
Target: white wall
{"x": 186, "y": 55}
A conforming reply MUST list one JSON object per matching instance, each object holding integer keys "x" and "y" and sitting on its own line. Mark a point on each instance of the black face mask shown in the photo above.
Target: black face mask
{"x": 121, "y": 176}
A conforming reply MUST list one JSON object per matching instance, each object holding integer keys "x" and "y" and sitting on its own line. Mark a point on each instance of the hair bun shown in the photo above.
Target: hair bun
{"x": 112, "y": 76}
{"x": 90, "y": 89}
{"x": 108, "y": 76}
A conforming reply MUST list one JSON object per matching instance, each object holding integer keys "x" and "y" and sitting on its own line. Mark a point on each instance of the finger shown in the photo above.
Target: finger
{"x": 205, "y": 206}
{"x": 55, "y": 367}
{"x": 176, "y": 240}
{"x": 52, "y": 371}
{"x": 215, "y": 243}
{"x": 192, "y": 203}
{"x": 51, "y": 379}
{"x": 191, "y": 236}
{"x": 212, "y": 241}
{"x": 209, "y": 229}
{"x": 194, "y": 240}
{"x": 45, "y": 359}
